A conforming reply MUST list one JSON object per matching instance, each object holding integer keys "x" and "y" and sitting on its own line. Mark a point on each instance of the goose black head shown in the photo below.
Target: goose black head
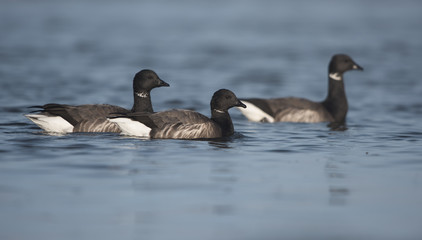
{"x": 224, "y": 99}
{"x": 341, "y": 63}
{"x": 145, "y": 80}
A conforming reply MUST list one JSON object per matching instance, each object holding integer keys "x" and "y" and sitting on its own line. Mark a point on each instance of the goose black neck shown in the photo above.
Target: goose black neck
{"x": 336, "y": 101}
{"x": 223, "y": 119}
{"x": 142, "y": 102}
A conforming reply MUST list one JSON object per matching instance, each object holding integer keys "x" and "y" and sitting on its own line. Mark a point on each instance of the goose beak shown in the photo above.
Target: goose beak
{"x": 163, "y": 84}
{"x": 357, "y": 67}
{"x": 240, "y": 104}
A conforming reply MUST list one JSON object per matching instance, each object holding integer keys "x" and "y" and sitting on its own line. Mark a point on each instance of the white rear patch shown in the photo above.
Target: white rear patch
{"x": 336, "y": 76}
{"x": 51, "y": 123}
{"x": 255, "y": 114}
{"x": 131, "y": 127}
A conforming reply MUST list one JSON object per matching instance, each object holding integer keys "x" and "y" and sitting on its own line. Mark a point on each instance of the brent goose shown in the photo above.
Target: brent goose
{"x": 61, "y": 118}
{"x": 291, "y": 109}
{"x": 183, "y": 124}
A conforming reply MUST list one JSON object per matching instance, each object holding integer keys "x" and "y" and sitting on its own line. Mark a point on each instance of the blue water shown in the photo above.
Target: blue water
{"x": 270, "y": 181}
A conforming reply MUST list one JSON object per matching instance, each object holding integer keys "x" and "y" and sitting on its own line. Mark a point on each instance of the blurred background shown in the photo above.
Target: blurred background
{"x": 281, "y": 181}
{"x": 253, "y": 47}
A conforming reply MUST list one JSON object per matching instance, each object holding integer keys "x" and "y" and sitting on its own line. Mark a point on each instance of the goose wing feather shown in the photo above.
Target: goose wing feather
{"x": 76, "y": 114}
{"x": 298, "y": 110}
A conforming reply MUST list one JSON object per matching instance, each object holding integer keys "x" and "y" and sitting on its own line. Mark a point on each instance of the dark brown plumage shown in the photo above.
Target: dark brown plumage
{"x": 333, "y": 109}
{"x": 93, "y": 117}
{"x": 183, "y": 124}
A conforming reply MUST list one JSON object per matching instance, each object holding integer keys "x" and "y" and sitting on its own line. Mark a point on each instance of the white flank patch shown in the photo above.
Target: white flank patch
{"x": 131, "y": 127}
{"x": 336, "y": 76}
{"x": 300, "y": 115}
{"x": 254, "y": 114}
{"x": 51, "y": 123}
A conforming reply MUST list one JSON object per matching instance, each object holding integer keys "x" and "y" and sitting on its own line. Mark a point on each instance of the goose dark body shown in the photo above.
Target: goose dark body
{"x": 93, "y": 117}
{"x": 185, "y": 124}
{"x": 291, "y": 109}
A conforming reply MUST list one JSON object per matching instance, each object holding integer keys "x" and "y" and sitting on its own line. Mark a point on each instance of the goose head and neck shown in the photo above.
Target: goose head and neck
{"x": 336, "y": 101}
{"x": 143, "y": 82}
{"x": 221, "y": 102}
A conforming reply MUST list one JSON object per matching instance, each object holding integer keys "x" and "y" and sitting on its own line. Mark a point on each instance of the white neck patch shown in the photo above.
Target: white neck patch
{"x": 142, "y": 94}
{"x": 336, "y": 76}
{"x": 219, "y": 111}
